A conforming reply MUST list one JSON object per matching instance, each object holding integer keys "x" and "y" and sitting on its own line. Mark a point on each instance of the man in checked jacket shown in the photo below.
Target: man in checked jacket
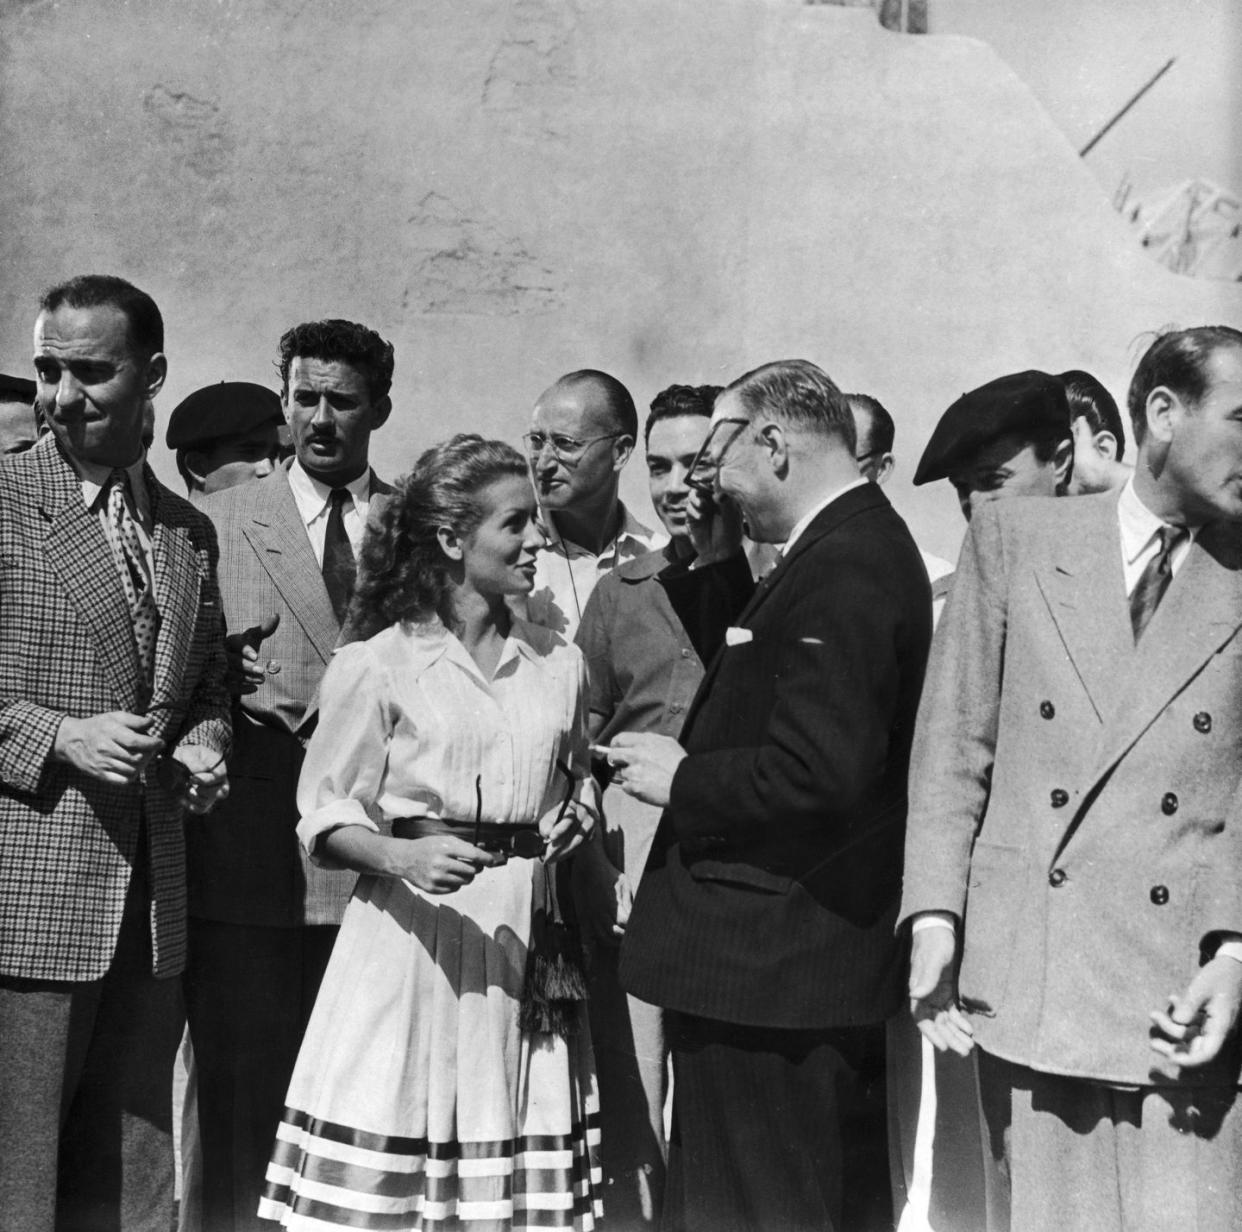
{"x": 113, "y": 721}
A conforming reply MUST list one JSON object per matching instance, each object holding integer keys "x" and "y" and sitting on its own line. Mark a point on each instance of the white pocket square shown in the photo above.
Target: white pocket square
{"x": 736, "y": 637}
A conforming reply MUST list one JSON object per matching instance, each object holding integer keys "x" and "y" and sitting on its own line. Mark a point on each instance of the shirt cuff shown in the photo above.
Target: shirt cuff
{"x": 936, "y": 919}
{"x": 1230, "y": 947}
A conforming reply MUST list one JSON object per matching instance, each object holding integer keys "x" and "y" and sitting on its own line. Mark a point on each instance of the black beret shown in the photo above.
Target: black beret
{"x": 17, "y": 389}
{"x": 1030, "y": 404}
{"x": 225, "y": 409}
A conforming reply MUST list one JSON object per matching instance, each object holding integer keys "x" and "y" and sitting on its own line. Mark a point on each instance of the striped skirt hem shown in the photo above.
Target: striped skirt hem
{"x": 325, "y": 1175}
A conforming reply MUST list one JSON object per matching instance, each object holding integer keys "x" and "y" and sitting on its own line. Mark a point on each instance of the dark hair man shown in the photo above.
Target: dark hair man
{"x": 114, "y": 721}
{"x": 764, "y": 921}
{"x": 644, "y": 672}
{"x": 582, "y": 432}
{"x": 19, "y": 428}
{"x": 1010, "y": 437}
{"x": 1099, "y": 437}
{"x": 263, "y": 918}
{"x": 1087, "y": 659}
{"x": 225, "y": 434}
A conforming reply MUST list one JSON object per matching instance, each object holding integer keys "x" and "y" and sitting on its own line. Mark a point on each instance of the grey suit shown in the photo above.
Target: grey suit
{"x": 1074, "y": 796}
{"x": 263, "y": 918}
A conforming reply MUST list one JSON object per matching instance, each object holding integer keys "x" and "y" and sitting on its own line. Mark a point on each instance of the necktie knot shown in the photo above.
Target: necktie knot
{"x": 340, "y": 498}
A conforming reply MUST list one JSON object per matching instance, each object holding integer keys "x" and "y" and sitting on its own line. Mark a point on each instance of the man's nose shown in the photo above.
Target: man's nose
{"x": 323, "y": 413}
{"x": 68, "y": 390}
{"x": 678, "y": 476}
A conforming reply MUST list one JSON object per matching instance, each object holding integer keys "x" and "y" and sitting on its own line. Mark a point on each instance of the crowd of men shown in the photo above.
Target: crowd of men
{"x": 822, "y": 827}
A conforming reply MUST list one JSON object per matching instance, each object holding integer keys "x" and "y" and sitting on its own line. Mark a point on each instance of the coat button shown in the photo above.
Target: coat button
{"x": 1059, "y": 797}
{"x": 685, "y": 654}
{"x": 1203, "y": 722}
{"x": 1057, "y": 878}
{"x": 1160, "y": 895}
{"x": 1168, "y": 804}
{"x": 1046, "y": 710}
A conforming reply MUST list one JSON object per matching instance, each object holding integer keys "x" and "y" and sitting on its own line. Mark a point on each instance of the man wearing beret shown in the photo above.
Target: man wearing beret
{"x": 19, "y": 429}
{"x": 1010, "y": 437}
{"x": 1075, "y": 834}
{"x": 263, "y": 918}
{"x": 225, "y": 434}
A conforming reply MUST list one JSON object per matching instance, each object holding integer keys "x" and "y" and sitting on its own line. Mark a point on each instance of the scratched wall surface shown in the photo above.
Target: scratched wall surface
{"x": 512, "y": 189}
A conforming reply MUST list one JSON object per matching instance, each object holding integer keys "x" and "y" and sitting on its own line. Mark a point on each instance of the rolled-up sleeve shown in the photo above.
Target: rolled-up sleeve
{"x": 347, "y": 759}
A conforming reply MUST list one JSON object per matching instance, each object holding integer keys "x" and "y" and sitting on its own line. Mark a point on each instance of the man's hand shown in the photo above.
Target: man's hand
{"x": 209, "y": 781}
{"x": 602, "y": 894}
{"x": 113, "y": 747}
{"x": 245, "y": 671}
{"x": 644, "y": 764}
{"x": 1192, "y": 1031}
{"x": 715, "y": 527}
{"x": 933, "y": 991}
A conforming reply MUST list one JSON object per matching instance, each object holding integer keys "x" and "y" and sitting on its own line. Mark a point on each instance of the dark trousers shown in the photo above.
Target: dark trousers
{"x": 86, "y": 1093}
{"x": 776, "y": 1129}
{"x": 249, "y": 992}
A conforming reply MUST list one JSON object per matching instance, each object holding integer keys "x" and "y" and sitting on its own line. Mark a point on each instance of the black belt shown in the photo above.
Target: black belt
{"x": 520, "y": 839}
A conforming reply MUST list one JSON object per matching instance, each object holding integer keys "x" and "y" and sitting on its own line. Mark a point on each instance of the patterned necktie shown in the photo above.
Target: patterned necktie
{"x": 132, "y": 567}
{"x": 1155, "y": 579}
{"x": 338, "y": 557}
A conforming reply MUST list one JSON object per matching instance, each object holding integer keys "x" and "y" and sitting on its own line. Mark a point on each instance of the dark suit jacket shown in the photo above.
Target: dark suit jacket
{"x": 1077, "y": 797}
{"x": 771, "y": 891}
{"x": 68, "y": 843}
{"x": 246, "y": 866}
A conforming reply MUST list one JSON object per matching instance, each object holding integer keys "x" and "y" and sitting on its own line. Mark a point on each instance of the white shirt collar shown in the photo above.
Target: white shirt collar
{"x": 312, "y": 496}
{"x": 95, "y": 478}
{"x": 811, "y": 514}
{"x": 1139, "y": 526}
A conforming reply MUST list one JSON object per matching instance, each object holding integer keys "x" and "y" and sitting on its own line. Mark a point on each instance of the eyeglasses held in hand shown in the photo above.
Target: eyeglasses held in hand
{"x": 723, "y": 432}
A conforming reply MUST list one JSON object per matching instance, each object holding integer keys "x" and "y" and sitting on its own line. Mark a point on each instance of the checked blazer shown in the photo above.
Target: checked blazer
{"x": 68, "y": 843}
{"x": 771, "y": 890}
{"x": 246, "y": 866}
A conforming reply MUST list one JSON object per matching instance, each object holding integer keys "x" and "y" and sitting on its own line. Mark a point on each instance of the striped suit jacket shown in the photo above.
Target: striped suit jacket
{"x": 771, "y": 890}
{"x": 68, "y": 843}
{"x": 246, "y": 866}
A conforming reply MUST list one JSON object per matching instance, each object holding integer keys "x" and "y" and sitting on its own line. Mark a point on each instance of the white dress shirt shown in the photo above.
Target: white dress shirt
{"x": 1140, "y": 529}
{"x": 313, "y": 500}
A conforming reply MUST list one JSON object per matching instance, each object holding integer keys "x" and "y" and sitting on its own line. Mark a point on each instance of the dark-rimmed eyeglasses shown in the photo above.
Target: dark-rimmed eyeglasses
{"x": 567, "y": 449}
{"x": 723, "y": 432}
{"x": 177, "y": 778}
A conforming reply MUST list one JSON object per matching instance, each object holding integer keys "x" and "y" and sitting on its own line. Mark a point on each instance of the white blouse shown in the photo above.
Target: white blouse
{"x": 407, "y": 723}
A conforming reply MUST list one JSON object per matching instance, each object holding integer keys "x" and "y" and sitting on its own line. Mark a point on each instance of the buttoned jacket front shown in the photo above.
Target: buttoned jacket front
{"x": 1073, "y": 795}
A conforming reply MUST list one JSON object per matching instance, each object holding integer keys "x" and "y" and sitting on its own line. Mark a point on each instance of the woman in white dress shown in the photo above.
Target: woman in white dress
{"x": 419, "y": 1100}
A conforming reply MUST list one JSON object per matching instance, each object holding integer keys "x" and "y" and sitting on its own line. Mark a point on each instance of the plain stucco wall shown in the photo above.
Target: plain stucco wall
{"x": 673, "y": 192}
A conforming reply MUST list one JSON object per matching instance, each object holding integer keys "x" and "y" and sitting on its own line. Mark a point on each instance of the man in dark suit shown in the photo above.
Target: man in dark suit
{"x": 1075, "y": 808}
{"x": 113, "y": 720}
{"x": 764, "y": 921}
{"x": 263, "y": 918}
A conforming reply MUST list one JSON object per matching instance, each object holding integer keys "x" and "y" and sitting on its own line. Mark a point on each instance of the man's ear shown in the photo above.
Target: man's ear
{"x": 622, "y": 448}
{"x": 450, "y": 542}
{"x": 380, "y": 411}
{"x": 1063, "y": 464}
{"x": 1106, "y": 445}
{"x": 884, "y": 468}
{"x": 156, "y": 371}
{"x": 196, "y": 466}
{"x": 773, "y": 440}
{"x": 1161, "y": 411}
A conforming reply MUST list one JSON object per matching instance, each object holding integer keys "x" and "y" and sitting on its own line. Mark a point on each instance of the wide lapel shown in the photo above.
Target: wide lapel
{"x": 1084, "y": 587}
{"x": 1200, "y": 612}
{"x": 77, "y": 551}
{"x": 278, "y": 536}
{"x": 177, "y": 588}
